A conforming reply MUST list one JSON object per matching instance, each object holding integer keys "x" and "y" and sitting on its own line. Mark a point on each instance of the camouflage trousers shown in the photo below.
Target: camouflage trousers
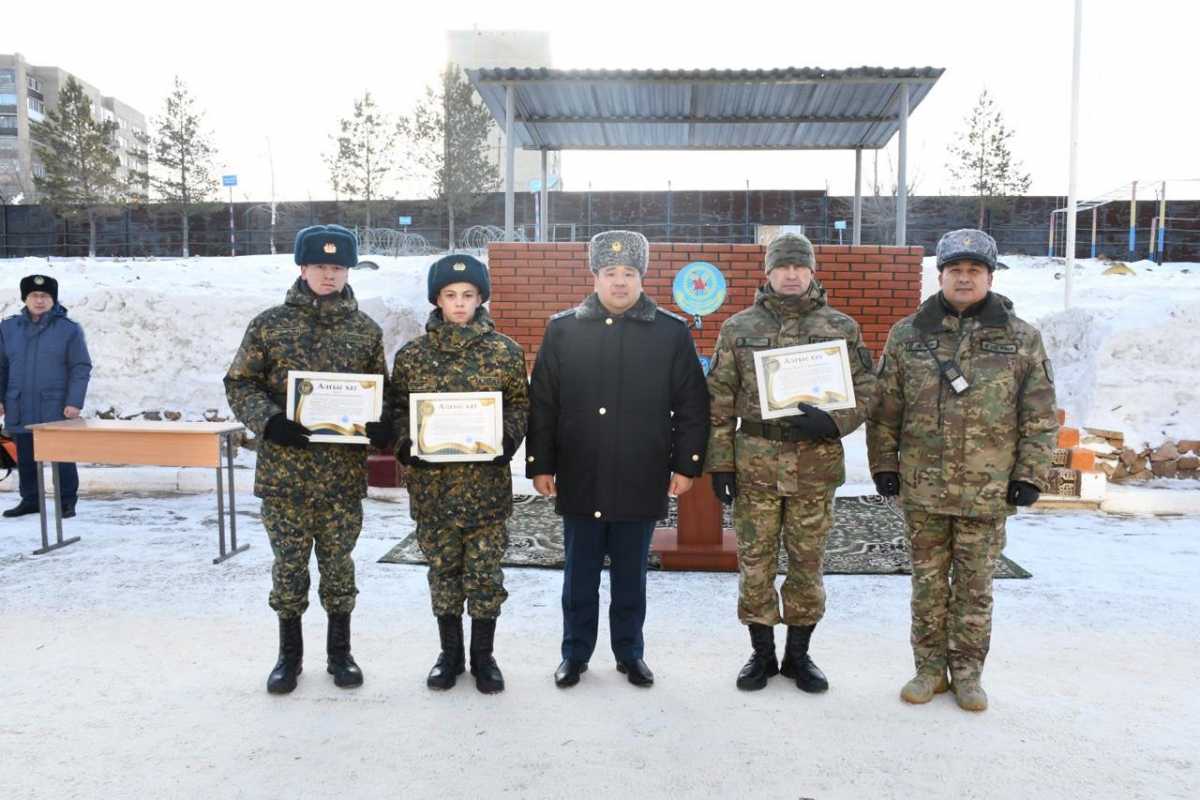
{"x": 294, "y": 528}
{"x": 464, "y": 565}
{"x": 953, "y": 561}
{"x": 761, "y": 520}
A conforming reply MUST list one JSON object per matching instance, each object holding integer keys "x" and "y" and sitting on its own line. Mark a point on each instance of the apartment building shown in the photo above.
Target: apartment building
{"x": 27, "y": 92}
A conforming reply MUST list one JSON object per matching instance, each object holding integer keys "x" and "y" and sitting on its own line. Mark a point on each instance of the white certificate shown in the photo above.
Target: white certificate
{"x": 335, "y": 406}
{"x": 817, "y": 374}
{"x": 456, "y": 426}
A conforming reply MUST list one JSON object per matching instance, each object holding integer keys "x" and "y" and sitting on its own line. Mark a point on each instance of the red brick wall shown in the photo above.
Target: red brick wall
{"x": 875, "y": 285}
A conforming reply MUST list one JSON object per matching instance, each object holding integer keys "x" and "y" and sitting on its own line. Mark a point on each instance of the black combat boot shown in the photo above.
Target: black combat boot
{"x": 762, "y": 663}
{"x": 291, "y": 656}
{"x": 345, "y": 672}
{"x": 451, "y": 661}
{"x": 488, "y": 678}
{"x": 796, "y": 663}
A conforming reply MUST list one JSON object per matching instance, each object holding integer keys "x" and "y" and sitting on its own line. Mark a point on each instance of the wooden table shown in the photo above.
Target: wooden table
{"x": 162, "y": 444}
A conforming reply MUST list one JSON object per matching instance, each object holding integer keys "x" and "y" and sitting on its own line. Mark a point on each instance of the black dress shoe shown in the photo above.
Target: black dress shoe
{"x": 568, "y": 673}
{"x": 22, "y": 508}
{"x": 68, "y": 510}
{"x": 637, "y": 672}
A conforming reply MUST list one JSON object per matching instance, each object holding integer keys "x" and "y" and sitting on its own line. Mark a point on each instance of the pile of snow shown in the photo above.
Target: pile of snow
{"x": 162, "y": 333}
{"x": 1124, "y": 353}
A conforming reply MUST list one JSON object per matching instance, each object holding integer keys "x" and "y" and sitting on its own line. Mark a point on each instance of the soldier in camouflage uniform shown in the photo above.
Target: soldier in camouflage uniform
{"x": 781, "y": 475}
{"x": 312, "y": 493}
{"x": 461, "y": 508}
{"x": 962, "y": 429}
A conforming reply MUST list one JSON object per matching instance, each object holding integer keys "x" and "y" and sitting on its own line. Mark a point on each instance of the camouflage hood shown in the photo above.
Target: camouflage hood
{"x": 787, "y": 305}
{"x": 591, "y": 308}
{"x": 330, "y": 309}
{"x": 448, "y": 336}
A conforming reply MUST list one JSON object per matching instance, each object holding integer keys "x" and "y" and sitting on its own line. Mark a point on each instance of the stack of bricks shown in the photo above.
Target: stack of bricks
{"x": 1171, "y": 459}
{"x": 1074, "y": 471}
{"x": 875, "y": 285}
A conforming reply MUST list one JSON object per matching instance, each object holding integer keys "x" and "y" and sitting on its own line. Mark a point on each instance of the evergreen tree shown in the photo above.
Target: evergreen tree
{"x": 981, "y": 159}
{"x": 79, "y": 156}
{"x": 448, "y": 130}
{"x": 364, "y": 154}
{"x": 183, "y": 154}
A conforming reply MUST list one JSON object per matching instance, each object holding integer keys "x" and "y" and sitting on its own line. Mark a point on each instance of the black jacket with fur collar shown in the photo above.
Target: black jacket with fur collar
{"x": 617, "y": 403}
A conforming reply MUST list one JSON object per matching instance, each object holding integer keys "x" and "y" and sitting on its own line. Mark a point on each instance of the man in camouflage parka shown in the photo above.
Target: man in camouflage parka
{"x": 962, "y": 429}
{"x": 311, "y": 492}
{"x": 781, "y": 475}
{"x": 460, "y": 508}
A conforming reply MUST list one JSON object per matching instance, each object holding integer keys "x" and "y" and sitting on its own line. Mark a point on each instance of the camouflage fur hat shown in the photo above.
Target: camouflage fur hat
{"x": 790, "y": 249}
{"x": 619, "y": 249}
{"x": 966, "y": 244}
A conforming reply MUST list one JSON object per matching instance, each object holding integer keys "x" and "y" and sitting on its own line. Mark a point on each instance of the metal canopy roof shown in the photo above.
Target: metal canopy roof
{"x": 780, "y": 109}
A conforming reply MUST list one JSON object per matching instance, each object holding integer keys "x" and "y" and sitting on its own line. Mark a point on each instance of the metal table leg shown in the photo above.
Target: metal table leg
{"x": 227, "y": 446}
{"x": 59, "y": 541}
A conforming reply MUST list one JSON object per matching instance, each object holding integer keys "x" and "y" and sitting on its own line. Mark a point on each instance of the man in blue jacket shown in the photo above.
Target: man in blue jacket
{"x": 44, "y": 372}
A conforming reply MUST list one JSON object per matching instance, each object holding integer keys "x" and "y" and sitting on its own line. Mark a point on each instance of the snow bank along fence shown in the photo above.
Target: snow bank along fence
{"x": 876, "y": 285}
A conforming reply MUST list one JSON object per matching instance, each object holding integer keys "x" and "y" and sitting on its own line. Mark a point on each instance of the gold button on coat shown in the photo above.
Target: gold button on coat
{"x": 608, "y": 321}
{"x": 596, "y": 515}
{"x": 603, "y": 410}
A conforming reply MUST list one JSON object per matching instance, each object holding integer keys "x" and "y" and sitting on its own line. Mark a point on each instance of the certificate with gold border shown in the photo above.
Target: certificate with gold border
{"x": 335, "y": 406}
{"x": 817, "y": 374}
{"x": 456, "y": 426}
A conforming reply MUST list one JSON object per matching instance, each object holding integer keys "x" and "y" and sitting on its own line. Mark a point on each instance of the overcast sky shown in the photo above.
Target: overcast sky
{"x": 287, "y": 71}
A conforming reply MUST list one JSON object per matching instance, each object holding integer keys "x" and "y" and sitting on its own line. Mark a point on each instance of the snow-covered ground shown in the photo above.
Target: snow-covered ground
{"x": 132, "y": 668}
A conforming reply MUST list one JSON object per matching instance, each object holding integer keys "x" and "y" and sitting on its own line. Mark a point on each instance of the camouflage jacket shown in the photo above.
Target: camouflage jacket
{"x": 775, "y": 320}
{"x": 956, "y": 452}
{"x": 305, "y": 333}
{"x": 461, "y": 358}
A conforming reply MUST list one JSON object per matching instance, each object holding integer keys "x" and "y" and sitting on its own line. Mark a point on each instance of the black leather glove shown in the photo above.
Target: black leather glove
{"x": 814, "y": 424}
{"x": 404, "y": 456}
{"x": 725, "y": 486}
{"x": 286, "y": 432}
{"x": 509, "y": 449}
{"x": 381, "y": 434}
{"x": 1021, "y": 493}
{"x": 887, "y": 483}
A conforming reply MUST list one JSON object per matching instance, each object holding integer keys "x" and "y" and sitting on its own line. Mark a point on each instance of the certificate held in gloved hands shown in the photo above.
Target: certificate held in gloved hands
{"x": 335, "y": 406}
{"x": 817, "y": 374}
{"x": 456, "y": 426}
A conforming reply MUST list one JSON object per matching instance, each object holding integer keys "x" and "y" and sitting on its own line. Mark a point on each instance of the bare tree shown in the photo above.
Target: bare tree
{"x": 982, "y": 161}
{"x": 364, "y": 154}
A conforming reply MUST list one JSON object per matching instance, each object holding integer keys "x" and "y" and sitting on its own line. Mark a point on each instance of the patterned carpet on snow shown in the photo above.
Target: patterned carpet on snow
{"x": 867, "y": 539}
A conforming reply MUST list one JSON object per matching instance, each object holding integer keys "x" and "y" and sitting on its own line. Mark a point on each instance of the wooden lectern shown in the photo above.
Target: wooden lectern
{"x": 699, "y": 542}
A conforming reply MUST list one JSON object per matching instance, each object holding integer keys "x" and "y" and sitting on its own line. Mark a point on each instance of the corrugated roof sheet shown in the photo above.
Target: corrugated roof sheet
{"x": 796, "y": 108}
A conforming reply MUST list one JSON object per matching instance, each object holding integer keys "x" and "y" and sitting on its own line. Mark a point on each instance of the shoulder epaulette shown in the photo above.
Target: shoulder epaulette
{"x": 673, "y": 315}
{"x": 564, "y": 313}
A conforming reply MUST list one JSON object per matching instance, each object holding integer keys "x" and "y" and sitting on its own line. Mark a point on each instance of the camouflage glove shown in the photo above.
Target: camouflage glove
{"x": 509, "y": 449}
{"x": 404, "y": 455}
{"x": 1021, "y": 493}
{"x": 725, "y": 486}
{"x": 380, "y": 433}
{"x": 814, "y": 424}
{"x": 887, "y": 483}
{"x": 286, "y": 432}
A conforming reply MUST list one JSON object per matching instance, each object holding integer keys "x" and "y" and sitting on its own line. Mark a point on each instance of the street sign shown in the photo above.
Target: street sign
{"x": 229, "y": 180}
{"x": 404, "y": 220}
